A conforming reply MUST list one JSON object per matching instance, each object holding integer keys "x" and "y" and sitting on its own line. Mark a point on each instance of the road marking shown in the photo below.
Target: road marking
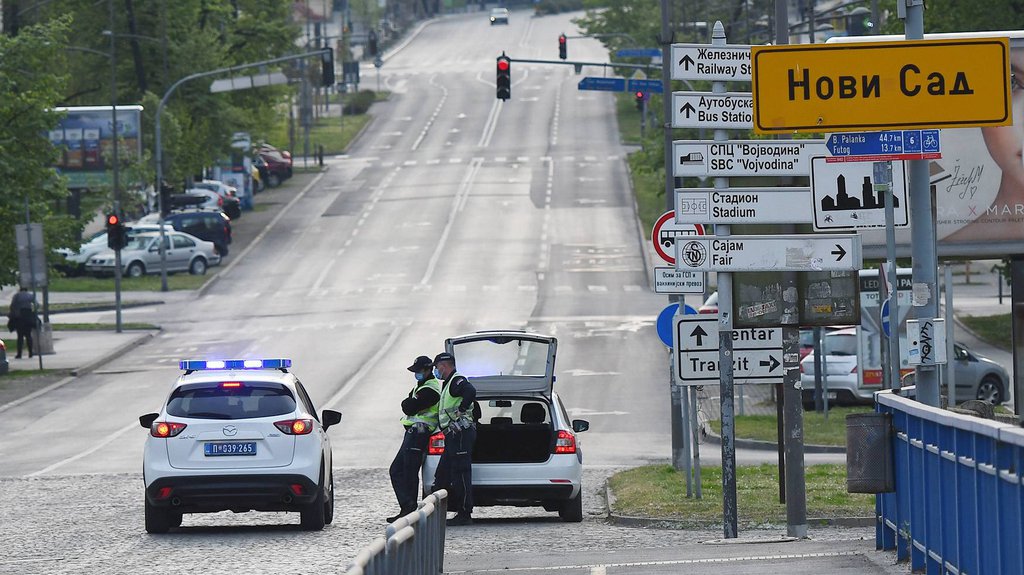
{"x": 598, "y": 570}
{"x": 365, "y": 368}
{"x": 708, "y": 561}
{"x": 110, "y": 439}
{"x": 433, "y": 116}
{"x": 457, "y": 202}
{"x": 490, "y": 124}
{"x": 36, "y": 394}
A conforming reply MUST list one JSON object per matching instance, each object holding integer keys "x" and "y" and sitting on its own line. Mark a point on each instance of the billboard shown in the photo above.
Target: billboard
{"x": 85, "y": 138}
{"x": 978, "y": 182}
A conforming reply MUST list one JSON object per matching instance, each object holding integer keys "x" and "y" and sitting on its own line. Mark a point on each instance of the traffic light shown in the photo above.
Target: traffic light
{"x": 640, "y": 97}
{"x": 327, "y": 67}
{"x": 562, "y": 46}
{"x": 116, "y": 236}
{"x": 504, "y": 83}
{"x": 859, "y": 22}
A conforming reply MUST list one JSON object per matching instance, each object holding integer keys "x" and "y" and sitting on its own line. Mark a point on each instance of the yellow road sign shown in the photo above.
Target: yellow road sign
{"x": 881, "y": 85}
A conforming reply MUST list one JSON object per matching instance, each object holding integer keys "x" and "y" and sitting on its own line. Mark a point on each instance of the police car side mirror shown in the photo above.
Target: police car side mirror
{"x": 330, "y": 417}
{"x": 580, "y": 425}
{"x": 146, "y": 421}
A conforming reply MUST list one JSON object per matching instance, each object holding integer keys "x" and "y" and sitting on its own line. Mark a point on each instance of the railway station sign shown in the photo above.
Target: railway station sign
{"x": 745, "y": 157}
{"x": 870, "y": 86}
{"x": 757, "y": 352}
{"x": 728, "y": 110}
{"x": 714, "y": 63}
{"x": 743, "y": 206}
{"x": 832, "y": 252}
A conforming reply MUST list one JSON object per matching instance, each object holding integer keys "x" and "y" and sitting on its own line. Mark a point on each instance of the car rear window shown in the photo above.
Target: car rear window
{"x": 225, "y": 400}
{"x": 513, "y": 411}
{"x": 845, "y": 344}
{"x": 501, "y": 356}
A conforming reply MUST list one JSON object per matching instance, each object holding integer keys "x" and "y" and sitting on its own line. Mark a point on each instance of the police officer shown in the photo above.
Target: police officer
{"x": 455, "y": 469}
{"x": 420, "y": 421}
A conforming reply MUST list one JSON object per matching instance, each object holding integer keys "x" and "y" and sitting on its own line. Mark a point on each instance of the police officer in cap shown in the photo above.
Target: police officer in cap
{"x": 455, "y": 469}
{"x": 420, "y": 421}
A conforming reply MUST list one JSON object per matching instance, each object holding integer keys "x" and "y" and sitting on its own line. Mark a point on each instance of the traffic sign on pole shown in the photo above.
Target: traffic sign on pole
{"x": 716, "y": 63}
{"x": 665, "y": 232}
{"x": 666, "y": 319}
{"x": 844, "y": 197}
{"x": 612, "y": 84}
{"x": 744, "y": 206}
{"x": 757, "y": 352}
{"x": 807, "y": 252}
{"x": 669, "y": 280}
{"x": 644, "y": 85}
{"x": 728, "y": 110}
{"x": 884, "y": 313}
{"x": 889, "y": 145}
{"x": 745, "y": 157}
{"x": 638, "y": 53}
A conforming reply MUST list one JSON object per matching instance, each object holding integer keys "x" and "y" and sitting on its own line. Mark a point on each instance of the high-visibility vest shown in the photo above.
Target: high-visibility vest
{"x": 428, "y": 415}
{"x": 450, "y": 404}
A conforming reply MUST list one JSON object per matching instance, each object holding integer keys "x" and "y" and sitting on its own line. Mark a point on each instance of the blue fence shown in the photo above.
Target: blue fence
{"x": 959, "y": 498}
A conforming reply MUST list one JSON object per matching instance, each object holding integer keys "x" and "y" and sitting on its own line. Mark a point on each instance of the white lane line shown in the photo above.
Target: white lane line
{"x": 524, "y": 40}
{"x": 110, "y": 439}
{"x": 437, "y": 110}
{"x": 323, "y": 275}
{"x": 365, "y": 368}
{"x": 490, "y": 124}
{"x": 457, "y": 202}
{"x": 599, "y": 570}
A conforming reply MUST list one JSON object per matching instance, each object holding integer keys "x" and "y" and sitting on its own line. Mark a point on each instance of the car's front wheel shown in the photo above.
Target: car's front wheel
{"x": 198, "y": 267}
{"x": 158, "y": 520}
{"x": 329, "y": 504}
{"x": 273, "y": 180}
{"x": 312, "y": 517}
{"x": 572, "y": 510}
{"x": 991, "y": 390}
{"x": 136, "y": 270}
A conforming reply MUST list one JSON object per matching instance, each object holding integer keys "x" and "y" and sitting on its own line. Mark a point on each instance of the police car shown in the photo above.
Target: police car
{"x": 526, "y": 453}
{"x": 238, "y": 435}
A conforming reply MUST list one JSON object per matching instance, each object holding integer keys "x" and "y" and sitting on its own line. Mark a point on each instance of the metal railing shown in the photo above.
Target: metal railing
{"x": 959, "y": 498}
{"x": 412, "y": 545}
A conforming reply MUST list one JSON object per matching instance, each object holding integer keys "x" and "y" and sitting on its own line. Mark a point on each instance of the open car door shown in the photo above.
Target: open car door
{"x": 506, "y": 362}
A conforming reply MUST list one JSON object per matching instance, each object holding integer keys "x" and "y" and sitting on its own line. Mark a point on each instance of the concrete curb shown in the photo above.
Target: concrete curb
{"x": 107, "y": 307}
{"x": 114, "y": 354}
{"x": 713, "y": 437}
{"x": 664, "y": 523}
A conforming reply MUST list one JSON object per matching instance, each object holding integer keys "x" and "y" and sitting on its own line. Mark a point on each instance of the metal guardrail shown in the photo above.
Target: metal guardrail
{"x": 959, "y": 500}
{"x": 412, "y": 545}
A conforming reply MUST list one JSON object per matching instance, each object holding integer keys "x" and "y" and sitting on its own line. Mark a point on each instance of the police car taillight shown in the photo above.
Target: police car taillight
{"x": 166, "y": 428}
{"x": 295, "y": 426}
{"x": 436, "y": 445}
{"x": 566, "y": 442}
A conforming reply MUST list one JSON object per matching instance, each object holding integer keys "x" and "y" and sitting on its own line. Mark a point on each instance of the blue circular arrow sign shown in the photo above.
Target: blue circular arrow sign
{"x": 885, "y": 318}
{"x": 665, "y": 321}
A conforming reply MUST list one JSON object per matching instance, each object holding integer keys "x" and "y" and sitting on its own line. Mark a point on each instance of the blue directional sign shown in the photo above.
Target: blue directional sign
{"x": 613, "y": 84}
{"x": 638, "y": 53}
{"x": 652, "y": 86}
{"x": 886, "y": 322}
{"x": 893, "y": 144}
{"x": 665, "y": 319}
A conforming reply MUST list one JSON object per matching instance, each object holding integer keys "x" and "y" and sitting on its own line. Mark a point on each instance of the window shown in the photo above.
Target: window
{"x": 501, "y": 356}
{"x": 511, "y": 411}
{"x": 214, "y": 401}
{"x": 845, "y": 344}
{"x": 306, "y": 402}
{"x": 181, "y": 242}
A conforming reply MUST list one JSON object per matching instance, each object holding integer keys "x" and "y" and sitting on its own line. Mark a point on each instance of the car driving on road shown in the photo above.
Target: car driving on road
{"x": 526, "y": 452}
{"x": 499, "y": 16}
{"x": 238, "y": 435}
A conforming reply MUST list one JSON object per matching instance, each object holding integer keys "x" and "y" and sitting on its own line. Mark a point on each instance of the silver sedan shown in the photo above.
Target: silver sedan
{"x": 142, "y": 255}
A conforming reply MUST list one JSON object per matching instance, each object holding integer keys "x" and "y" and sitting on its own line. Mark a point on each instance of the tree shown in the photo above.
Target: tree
{"x": 959, "y": 16}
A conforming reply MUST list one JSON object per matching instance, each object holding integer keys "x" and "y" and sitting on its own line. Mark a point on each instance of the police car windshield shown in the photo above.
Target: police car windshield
{"x": 230, "y": 400}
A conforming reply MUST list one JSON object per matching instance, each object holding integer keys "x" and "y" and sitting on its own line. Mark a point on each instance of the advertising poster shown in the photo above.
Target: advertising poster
{"x": 85, "y": 136}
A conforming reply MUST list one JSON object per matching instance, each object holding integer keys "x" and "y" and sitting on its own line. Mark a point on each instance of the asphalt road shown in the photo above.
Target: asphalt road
{"x": 453, "y": 213}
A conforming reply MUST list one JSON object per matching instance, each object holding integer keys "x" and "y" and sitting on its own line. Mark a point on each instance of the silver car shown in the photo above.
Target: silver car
{"x": 141, "y": 256}
{"x": 98, "y": 244}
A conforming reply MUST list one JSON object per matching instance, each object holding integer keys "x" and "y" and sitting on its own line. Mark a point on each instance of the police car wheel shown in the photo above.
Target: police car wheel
{"x": 329, "y": 504}
{"x": 572, "y": 510}
{"x": 312, "y": 516}
{"x": 157, "y": 520}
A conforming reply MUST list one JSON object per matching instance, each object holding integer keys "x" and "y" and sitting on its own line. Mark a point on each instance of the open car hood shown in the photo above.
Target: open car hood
{"x": 506, "y": 361}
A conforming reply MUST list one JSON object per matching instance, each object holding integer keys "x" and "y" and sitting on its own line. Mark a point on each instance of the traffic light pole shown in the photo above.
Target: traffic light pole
{"x": 116, "y": 168}
{"x": 579, "y": 65}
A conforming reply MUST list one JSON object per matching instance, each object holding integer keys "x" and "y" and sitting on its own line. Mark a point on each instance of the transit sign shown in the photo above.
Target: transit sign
{"x": 671, "y": 281}
{"x": 665, "y": 232}
{"x": 644, "y": 85}
{"x": 612, "y": 84}
{"x": 728, "y": 110}
{"x": 744, "y": 206}
{"x": 885, "y": 146}
{"x": 845, "y": 198}
{"x": 877, "y": 85}
{"x": 757, "y": 352}
{"x": 745, "y": 157}
{"x": 798, "y": 253}
{"x": 714, "y": 63}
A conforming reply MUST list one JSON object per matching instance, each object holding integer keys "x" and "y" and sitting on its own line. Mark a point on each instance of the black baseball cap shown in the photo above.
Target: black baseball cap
{"x": 422, "y": 362}
{"x": 444, "y": 356}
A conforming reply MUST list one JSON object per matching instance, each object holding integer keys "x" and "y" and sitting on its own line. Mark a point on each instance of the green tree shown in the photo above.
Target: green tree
{"x": 959, "y": 16}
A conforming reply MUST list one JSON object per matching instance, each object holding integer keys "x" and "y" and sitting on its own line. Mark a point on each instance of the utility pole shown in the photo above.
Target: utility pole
{"x": 116, "y": 161}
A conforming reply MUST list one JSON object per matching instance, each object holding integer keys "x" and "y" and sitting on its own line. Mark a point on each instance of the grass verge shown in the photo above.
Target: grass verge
{"x": 659, "y": 491}
{"x": 335, "y": 133}
{"x": 817, "y": 431}
{"x": 994, "y": 329}
{"x": 145, "y": 283}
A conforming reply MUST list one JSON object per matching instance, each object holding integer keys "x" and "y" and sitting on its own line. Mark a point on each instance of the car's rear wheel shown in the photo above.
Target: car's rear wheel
{"x": 273, "y": 180}
{"x": 329, "y": 504}
{"x": 198, "y": 267}
{"x": 991, "y": 390}
{"x": 158, "y": 520}
{"x": 572, "y": 510}
{"x": 313, "y": 516}
{"x": 136, "y": 270}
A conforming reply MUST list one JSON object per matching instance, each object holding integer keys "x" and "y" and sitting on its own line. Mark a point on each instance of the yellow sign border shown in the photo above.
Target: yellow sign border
{"x": 758, "y": 51}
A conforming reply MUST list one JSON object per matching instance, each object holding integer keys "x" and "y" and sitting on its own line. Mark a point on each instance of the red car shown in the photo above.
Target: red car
{"x": 275, "y": 165}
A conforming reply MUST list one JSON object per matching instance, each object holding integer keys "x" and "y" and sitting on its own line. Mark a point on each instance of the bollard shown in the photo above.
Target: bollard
{"x": 398, "y": 552}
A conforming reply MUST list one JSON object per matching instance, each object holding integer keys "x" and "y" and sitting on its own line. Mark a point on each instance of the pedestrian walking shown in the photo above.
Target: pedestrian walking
{"x": 455, "y": 417}
{"x": 420, "y": 421}
{"x": 23, "y": 318}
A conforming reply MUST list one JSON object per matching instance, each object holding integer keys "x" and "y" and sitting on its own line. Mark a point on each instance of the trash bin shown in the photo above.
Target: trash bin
{"x": 869, "y": 454}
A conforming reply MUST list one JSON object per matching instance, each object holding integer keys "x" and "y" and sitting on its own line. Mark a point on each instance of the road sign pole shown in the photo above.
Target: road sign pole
{"x": 950, "y": 349}
{"x": 695, "y": 440}
{"x": 725, "y": 352}
{"x": 922, "y": 229}
{"x": 882, "y": 172}
{"x": 684, "y": 396}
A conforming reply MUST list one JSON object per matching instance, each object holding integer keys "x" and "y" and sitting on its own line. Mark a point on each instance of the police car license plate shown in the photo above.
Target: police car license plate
{"x": 230, "y": 448}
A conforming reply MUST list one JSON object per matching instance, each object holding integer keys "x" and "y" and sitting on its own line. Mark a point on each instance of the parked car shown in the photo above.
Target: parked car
{"x": 526, "y": 451}
{"x": 210, "y": 225}
{"x": 977, "y": 377}
{"x": 277, "y": 164}
{"x": 499, "y": 16}
{"x": 710, "y": 305}
{"x": 213, "y": 200}
{"x": 74, "y": 262}
{"x": 183, "y": 252}
{"x": 4, "y": 365}
{"x": 231, "y": 205}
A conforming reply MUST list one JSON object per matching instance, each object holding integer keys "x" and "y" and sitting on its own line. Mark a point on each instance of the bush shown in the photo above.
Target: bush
{"x": 359, "y": 102}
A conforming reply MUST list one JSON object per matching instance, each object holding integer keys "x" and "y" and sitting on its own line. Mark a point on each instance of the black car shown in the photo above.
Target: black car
{"x": 210, "y": 225}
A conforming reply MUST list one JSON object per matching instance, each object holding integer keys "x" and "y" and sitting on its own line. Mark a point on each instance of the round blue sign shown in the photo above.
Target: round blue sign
{"x": 664, "y": 323}
{"x": 885, "y": 318}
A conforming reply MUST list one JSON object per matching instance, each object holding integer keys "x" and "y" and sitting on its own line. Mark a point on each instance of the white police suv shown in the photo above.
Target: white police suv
{"x": 526, "y": 451}
{"x": 238, "y": 435}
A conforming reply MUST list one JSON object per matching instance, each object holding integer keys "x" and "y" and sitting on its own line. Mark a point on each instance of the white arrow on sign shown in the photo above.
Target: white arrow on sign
{"x": 709, "y": 110}
{"x": 745, "y": 157}
{"x": 744, "y": 206}
{"x": 700, "y": 333}
{"x": 757, "y": 352}
{"x": 832, "y": 252}
{"x": 703, "y": 62}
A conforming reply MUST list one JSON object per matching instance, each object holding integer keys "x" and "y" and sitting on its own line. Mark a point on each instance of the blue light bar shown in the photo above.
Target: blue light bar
{"x": 213, "y": 364}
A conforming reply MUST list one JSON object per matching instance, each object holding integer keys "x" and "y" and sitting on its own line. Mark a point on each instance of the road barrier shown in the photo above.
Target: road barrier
{"x": 959, "y": 497}
{"x": 412, "y": 545}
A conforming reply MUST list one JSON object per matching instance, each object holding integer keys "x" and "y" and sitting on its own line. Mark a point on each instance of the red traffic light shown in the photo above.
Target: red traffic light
{"x": 639, "y": 95}
{"x": 561, "y": 39}
{"x": 113, "y": 220}
{"x": 503, "y": 64}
